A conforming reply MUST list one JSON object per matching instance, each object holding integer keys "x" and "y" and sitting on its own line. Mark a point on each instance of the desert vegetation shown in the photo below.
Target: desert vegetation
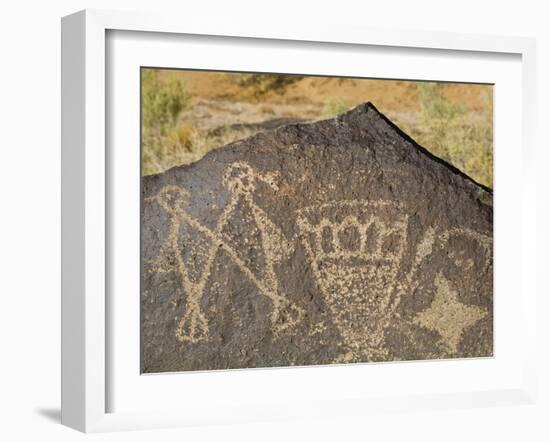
{"x": 187, "y": 113}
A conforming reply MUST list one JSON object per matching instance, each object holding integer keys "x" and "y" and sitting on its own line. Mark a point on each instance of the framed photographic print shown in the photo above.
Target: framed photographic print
{"x": 293, "y": 223}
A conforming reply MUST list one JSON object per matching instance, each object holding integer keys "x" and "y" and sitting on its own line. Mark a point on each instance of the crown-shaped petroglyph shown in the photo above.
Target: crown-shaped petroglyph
{"x": 355, "y": 250}
{"x": 357, "y": 231}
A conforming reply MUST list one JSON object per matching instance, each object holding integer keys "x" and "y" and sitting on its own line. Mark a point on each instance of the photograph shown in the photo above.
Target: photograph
{"x": 302, "y": 221}
{"x": 299, "y": 220}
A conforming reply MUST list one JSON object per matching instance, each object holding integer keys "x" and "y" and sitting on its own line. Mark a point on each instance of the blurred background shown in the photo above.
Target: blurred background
{"x": 185, "y": 113}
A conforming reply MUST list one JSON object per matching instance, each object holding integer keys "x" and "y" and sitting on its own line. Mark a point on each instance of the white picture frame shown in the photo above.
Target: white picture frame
{"x": 87, "y": 355}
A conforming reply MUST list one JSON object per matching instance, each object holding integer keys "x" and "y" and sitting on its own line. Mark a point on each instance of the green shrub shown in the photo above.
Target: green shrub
{"x": 463, "y": 138}
{"x": 335, "y": 106}
{"x": 162, "y": 102}
{"x": 264, "y": 83}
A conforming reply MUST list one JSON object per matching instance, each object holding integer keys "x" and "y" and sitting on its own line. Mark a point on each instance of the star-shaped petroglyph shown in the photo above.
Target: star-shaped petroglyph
{"x": 447, "y": 316}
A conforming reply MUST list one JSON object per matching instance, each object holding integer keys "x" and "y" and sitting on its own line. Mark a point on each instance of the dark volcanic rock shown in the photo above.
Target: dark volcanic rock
{"x": 336, "y": 241}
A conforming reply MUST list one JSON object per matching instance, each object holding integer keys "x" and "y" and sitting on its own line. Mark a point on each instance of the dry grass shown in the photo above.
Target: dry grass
{"x": 189, "y": 113}
{"x": 454, "y": 133}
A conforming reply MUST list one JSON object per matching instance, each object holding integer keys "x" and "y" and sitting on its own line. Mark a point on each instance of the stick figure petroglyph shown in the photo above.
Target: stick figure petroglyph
{"x": 193, "y": 325}
{"x": 355, "y": 248}
{"x": 241, "y": 181}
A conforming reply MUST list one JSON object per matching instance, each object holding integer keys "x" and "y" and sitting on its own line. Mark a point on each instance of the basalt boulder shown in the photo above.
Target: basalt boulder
{"x": 339, "y": 241}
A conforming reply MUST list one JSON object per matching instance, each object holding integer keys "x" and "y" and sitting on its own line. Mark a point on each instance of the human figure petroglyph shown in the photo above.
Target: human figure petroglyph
{"x": 193, "y": 326}
{"x": 355, "y": 256}
{"x": 367, "y": 187}
{"x": 241, "y": 180}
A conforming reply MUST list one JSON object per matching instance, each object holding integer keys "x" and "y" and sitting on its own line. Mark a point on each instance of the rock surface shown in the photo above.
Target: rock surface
{"x": 331, "y": 242}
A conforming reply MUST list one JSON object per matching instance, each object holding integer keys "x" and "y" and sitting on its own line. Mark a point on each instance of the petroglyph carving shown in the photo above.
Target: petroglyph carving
{"x": 241, "y": 181}
{"x": 193, "y": 325}
{"x": 447, "y": 316}
{"x": 484, "y": 241}
{"x": 354, "y": 247}
{"x": 355, "y": 260}
{"x": 358, "y": 277}
{"x": 362, "y": 247}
